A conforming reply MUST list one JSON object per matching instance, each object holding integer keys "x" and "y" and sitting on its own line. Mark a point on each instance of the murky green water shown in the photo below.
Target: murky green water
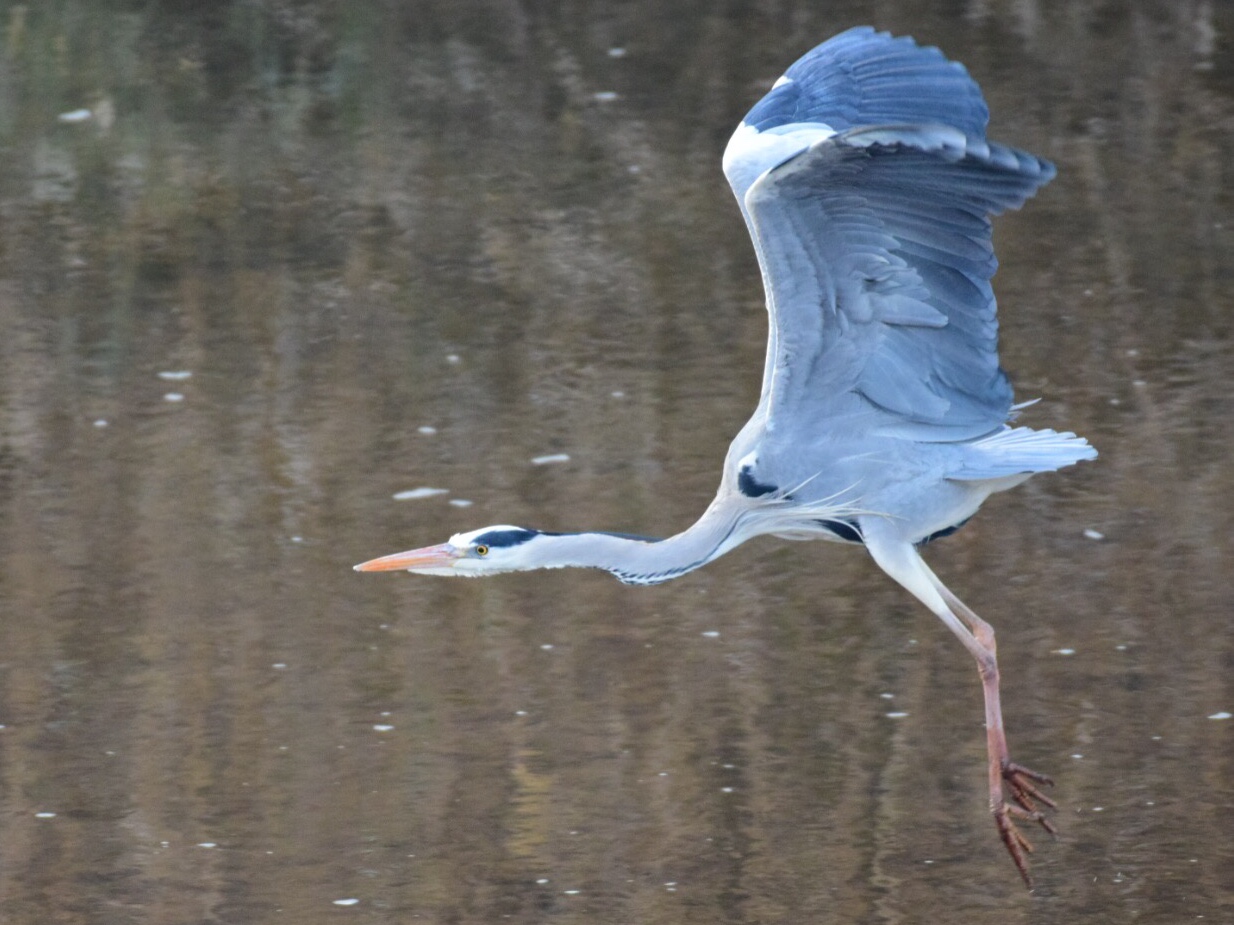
{"x": 304, "y": 256}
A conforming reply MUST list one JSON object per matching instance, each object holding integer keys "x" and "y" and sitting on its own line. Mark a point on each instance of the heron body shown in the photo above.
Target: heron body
{"x": 885, "y": 420}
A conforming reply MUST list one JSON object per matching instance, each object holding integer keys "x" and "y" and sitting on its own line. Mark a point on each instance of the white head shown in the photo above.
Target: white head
{"x": 487, "y": 551}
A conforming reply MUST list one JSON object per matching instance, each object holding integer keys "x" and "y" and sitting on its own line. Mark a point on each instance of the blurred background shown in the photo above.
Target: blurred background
{"x": 265, "y": 266}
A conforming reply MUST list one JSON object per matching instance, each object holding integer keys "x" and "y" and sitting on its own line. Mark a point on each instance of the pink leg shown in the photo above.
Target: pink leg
{"x": 1006, "y": 777}
{"x": 1014, "y": 790}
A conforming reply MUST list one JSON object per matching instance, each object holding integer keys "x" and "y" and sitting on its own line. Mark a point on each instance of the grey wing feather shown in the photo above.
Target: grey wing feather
{"x": 874, "y": 242}
{"x": 863, "y": 77}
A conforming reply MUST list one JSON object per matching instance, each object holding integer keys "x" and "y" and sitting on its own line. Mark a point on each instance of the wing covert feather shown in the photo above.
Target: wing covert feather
{"x": 874, "y": 238}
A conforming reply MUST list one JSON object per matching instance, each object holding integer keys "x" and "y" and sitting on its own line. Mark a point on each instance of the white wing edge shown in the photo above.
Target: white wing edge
{"x": 751, "y": 153}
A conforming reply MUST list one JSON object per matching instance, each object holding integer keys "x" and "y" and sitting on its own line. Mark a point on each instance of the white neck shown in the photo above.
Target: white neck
{"x": 642, "y": 561}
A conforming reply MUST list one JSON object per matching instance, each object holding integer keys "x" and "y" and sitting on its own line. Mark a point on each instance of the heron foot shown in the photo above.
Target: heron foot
{"x": 1027, "y": 803}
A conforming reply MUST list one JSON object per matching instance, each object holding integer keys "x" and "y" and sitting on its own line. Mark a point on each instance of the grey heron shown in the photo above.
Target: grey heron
{"x": 885, "y": 420}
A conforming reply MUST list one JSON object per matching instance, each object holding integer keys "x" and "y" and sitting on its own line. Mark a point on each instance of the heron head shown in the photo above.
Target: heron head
{"x": 487, "y": 551}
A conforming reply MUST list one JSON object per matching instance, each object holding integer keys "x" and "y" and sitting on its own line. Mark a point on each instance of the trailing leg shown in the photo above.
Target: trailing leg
{"x": 1015, "y": 792}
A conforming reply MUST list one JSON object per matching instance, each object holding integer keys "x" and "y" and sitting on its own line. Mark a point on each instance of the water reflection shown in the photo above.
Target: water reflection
{"x": 313, "y": 211}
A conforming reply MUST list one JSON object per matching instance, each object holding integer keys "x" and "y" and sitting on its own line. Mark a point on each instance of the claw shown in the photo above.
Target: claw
{"x": 1017, "y": 845}
{"x": 1015, "y": 774}
{"x": 1026, "y": 793}
{"x": 1021, "y": 783}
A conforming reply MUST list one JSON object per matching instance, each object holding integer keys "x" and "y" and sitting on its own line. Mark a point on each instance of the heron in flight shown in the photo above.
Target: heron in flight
{"x": 867, "y": 185}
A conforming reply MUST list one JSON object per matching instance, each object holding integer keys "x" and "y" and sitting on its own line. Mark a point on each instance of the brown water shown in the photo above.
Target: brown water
{"x": 330, "y": 227}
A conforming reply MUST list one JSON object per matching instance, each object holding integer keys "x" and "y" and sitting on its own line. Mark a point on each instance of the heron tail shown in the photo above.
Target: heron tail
{"x": 1021, "y": 451}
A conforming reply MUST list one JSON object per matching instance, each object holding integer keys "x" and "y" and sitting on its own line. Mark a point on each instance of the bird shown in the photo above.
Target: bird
{"x": 885, "y": 419}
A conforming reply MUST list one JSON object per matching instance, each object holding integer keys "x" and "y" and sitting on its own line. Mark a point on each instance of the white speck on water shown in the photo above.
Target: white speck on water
{"x": 206, "y": 844}
{"x": 1098, "y": 809}
{"x": 571, "y": 892}
{"x": 173, "y": 396}
{"x": 297, "y": 539}
{"x": 899, "y": 714}
{"x": 542, "y": 881}
{"x": 175, "y": 375}
{"x": 726, "y": 789}
{"x": 1139, "y": 383}
{"x": 460, "y": 502}
{"x": 426, "y": 430}
{"x": 1155, "y": 738}
{"x": 1149, "y": 803}
{"x": 662, "y": 774}
{"x": 927, "y": 861}
{"x": 547, "y": 646}
{"x": 604, "y": 96}
{"x": 413, "y": 494}
{"x": 618, "y": 394}
{"x": 711, "y": 634}
{"x": 279, "y": 666}
{"x": 1222, "y": 715}
{"x": 634, "y": 168}
{"x": 520, "y": 712}
{"x": 383, "y": 727}
{"x": 100, "y": 422}
{"x": 616, "y": 52}
{"x": 550, "y": 458}
{"x": 385, "y": 713}
{"x": 346, "y": 902}
{"x": 1064, "y": 651}
{"x": 1121, "y": 647}
{"x": 75, "y": 115}
{"x": 44, "y": 815}
{"x": 887, "y": 696}
{"x": 1092, "y": 534}
{"x": 453, "y": 358}
{"x": 1077, "y": 756}
{"x": 1133, "y": 352}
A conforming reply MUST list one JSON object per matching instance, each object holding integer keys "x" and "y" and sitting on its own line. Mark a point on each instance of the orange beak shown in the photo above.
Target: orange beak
{"x": 430, "y": 557}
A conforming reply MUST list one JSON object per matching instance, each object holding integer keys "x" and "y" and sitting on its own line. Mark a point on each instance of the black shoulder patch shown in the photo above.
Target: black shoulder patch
{"x": 844, "y": 529}
{"x": 751, "y": 487}
{"x": 501, "y": 538}
{"x": 946, "y": 531}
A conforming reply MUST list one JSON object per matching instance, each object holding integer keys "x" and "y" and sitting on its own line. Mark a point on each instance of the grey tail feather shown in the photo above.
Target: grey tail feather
{"x": 1021, "y": 450}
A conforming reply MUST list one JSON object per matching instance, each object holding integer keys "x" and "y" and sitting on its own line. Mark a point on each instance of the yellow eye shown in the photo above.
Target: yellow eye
{"x": 481, "y": 550}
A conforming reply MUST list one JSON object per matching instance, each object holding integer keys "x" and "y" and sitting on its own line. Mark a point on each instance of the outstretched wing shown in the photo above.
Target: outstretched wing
{"x": 868, "y": 185}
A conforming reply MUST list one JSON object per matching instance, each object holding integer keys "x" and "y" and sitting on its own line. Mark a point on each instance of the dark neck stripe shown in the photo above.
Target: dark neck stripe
{"x": 499, "y": 539}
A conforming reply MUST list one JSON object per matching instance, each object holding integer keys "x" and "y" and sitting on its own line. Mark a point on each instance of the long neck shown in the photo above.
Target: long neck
{"x": 646, "y": 561}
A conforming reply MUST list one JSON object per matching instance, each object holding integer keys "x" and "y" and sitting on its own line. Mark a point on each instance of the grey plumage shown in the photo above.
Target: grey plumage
{"x": 867, "y": 184}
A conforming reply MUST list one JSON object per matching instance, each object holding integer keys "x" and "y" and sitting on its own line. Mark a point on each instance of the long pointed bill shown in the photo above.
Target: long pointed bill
{"x": 437, "y": 558}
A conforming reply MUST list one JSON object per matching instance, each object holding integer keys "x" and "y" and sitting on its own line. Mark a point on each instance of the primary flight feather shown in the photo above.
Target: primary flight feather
{"x": 867, "y": 184}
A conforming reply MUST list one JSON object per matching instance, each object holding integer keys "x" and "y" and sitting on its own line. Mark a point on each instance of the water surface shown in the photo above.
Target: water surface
{"x": 301, "y": 258}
